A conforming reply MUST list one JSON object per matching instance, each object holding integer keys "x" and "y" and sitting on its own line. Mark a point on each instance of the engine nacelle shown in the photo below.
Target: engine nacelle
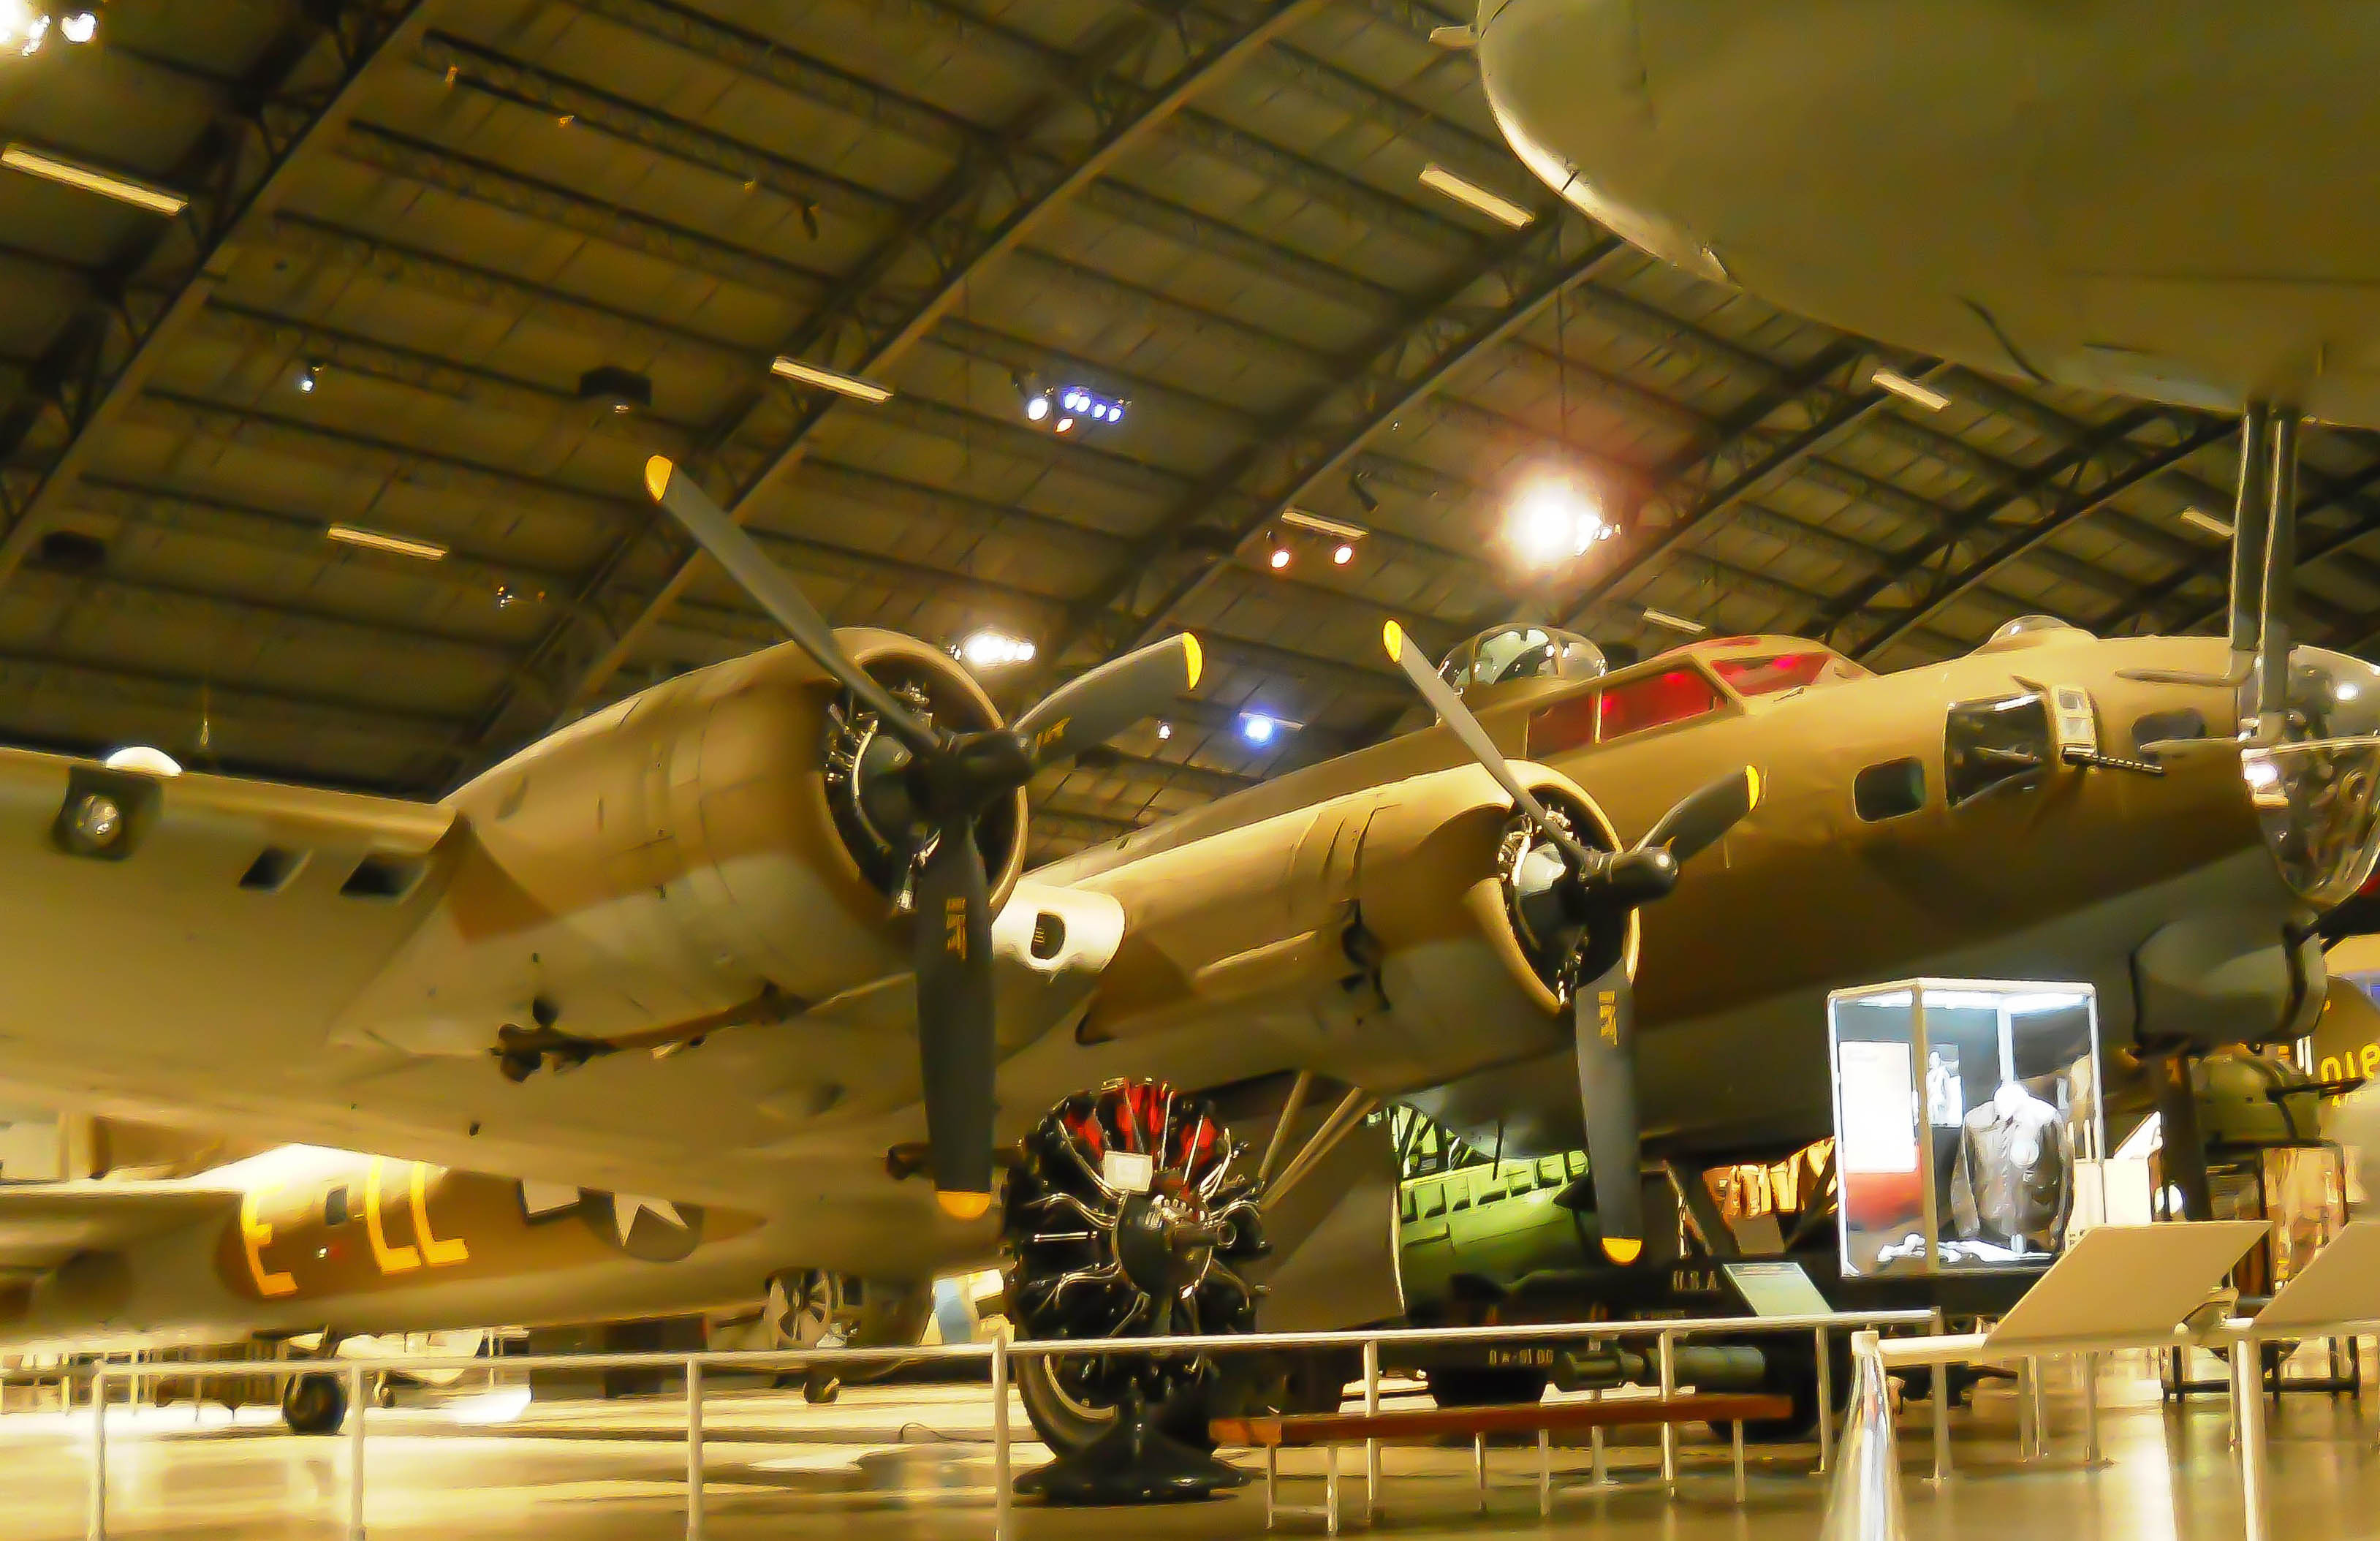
{"x": 1379, "y": 929}
{"x": 695, "y": 848}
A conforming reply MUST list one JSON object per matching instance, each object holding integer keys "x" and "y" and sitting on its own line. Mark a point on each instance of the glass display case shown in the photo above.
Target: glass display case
{"x": 1966, "y": 1111}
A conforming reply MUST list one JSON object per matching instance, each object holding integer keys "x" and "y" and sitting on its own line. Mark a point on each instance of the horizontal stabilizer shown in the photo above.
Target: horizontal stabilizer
{"x": 43, "y": 1224}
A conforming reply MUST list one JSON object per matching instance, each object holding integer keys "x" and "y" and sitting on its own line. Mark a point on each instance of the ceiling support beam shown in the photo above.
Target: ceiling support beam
{"x": 1446, "y": 332}
{"x": 2121, "y": 463}
{"x": 307, "y": 86}
{"x": 2040, "y": 482}
{"x": 1832, "y": 396}
{"x": 2320, "y": 494}
{"x": 983, "y": 211}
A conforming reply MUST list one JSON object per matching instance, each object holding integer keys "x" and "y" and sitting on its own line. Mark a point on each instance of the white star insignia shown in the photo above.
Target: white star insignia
{"x": 626, "y": 1207}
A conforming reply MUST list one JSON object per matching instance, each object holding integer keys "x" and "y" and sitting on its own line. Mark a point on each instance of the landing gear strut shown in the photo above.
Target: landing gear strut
{"x": 1128, "y": 1218}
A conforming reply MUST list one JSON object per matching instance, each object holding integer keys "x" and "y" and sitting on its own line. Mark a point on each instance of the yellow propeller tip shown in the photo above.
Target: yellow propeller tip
{"x": 658, "y": 471}
{"x": 965, "y": 1207}
{"x": 1196, "y": 657}
{"x": 1623, "y": 1250}
{"x": 1394, "y": 636}
{"x": 1752, "y": 780}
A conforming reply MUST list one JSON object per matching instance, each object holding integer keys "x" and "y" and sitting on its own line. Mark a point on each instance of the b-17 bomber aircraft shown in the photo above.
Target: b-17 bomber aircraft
{"x": 758, "y": 938}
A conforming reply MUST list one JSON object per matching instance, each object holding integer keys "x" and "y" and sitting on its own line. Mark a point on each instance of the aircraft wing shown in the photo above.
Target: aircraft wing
{"x": 43, "y": 1224}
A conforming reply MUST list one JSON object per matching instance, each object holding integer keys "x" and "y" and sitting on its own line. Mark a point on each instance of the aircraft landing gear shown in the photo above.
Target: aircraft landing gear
{"x": 314, "y": 1404}
{"x": 1127, "y": 1219}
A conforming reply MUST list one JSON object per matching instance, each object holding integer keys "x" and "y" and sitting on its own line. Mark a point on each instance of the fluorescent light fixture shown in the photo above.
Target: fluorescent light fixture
{"x": 2219, "y": 528}
{"x": 381, "y": 540}
{"x": 107, "y": 183}
{"x": 827, "y": 379}
{"x": 1472, "y": 195}
{"x": 1909, "y": 390}
{"x": 1675, "y": 623}
{"x": 1301, "y": 519}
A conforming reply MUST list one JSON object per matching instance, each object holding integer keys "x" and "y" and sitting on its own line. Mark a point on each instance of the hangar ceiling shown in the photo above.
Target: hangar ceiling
{"x": 414, "y": 228}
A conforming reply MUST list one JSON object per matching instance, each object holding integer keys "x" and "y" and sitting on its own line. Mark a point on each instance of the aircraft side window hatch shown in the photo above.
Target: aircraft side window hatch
{"x": 2001, "y": 741}
{"x": 274, "y": 869}
{"x": 335, "y": 1207}
{"x": 379, "y": 876}
{"x": 1892, "y": 790}
{"x": 2158, "y": 728}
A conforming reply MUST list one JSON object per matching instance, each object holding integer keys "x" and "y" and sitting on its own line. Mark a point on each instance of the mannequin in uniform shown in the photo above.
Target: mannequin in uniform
{"x": 2013, "y": 1182}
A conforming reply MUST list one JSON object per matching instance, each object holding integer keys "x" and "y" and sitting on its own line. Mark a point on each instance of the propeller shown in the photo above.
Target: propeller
{"x": 948, "y": 780}
{"x": 1590, "y": 899}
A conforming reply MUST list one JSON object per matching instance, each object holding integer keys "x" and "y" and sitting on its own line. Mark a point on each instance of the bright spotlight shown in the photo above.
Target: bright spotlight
{"x": 78, "y": 26}
{"x": 1279, "y": 560}
{"x": 1064, "y": 424}
{"x": 991, "y": 649}
{"x": 21, "y": 27}
{"x": 1037, "y": 409}
{"x": 1552, "y": 521}
{"x": 1257, "y": 728}
{"x": 310, "y": 378}
{"x": 1164, "y": 730}
{"x": 1342, "y": 554}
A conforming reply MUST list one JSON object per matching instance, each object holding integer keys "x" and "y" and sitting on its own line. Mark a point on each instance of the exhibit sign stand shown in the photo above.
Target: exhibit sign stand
{"x": 2120, "y": 1287}
{"x": 2336, "y": 1294}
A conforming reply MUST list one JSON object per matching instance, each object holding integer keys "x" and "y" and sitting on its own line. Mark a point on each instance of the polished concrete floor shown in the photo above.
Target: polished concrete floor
{"x": 911, "y": 1463}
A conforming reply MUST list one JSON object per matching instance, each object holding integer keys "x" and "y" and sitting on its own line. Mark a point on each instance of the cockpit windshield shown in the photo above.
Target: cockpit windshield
{"x": 1521, "y": 652}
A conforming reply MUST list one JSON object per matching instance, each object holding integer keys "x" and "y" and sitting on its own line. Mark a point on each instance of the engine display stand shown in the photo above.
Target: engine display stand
{"x": 1134, "y": 1463}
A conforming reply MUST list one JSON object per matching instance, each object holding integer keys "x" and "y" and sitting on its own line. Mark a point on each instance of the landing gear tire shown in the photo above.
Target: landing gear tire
{"x": 314, "y": 1404}
{"x": 1094, "y": 1254}
{"x": 1472, "y": 1386}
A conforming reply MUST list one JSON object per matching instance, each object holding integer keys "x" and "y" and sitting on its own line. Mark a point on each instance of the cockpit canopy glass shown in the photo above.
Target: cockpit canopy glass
{"x": 1521, "y": 652}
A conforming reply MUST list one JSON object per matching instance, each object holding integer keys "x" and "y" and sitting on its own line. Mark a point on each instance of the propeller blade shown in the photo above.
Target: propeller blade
{"x": 1094, "y": 708}
{"x": 1603, "y": 1012}
{"x": 1450, "y": 710}
{"x": 956, "y": 1045}
{"x": 1696, "y": 823}
{"x": 774, "y": 593}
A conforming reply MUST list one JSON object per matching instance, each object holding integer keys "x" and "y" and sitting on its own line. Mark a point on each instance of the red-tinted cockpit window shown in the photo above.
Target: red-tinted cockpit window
{"x": 1563, "y": 725}
{"x": 1762, "y": 676}
{"x": 1672, "y": 696}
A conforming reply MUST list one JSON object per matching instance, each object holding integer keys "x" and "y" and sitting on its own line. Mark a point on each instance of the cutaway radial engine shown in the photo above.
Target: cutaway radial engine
{"x": 1129, "y": 1216}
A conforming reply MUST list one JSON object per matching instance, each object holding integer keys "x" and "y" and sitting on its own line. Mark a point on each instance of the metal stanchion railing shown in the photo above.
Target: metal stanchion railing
{"x": 1003, "y": 1489}
{"x": 1864, "y": 1503}
{"x": 96, "y": 1526}
{"x": 1826, "y": 1406}
{"x": 1668, "y": 1430}
{"x": 1000, "y": 1356}
{"x": 356, "y": 1403}
{"x": 1371, "y": 1446}
{"x": 1942, "y": 1409}
{"x": 693, "y": 1447}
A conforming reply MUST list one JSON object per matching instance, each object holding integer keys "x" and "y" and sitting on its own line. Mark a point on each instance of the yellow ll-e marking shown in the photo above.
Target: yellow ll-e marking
{"x": 1607, "y": 1006}
{"x": 390, "y": 1259}
{"x": 257, "y": 1235}
{"x": 403, "y": 1259}
{"x": 436, "y": 1253}
{"x": 954, "y": 927}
